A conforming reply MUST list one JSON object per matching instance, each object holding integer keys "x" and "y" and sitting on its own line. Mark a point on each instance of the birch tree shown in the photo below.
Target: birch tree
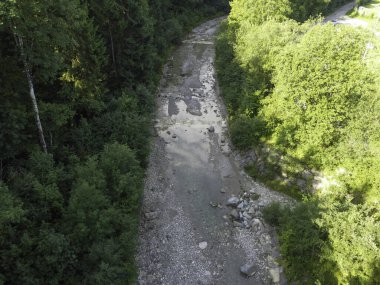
{"x": 41, "y": 32}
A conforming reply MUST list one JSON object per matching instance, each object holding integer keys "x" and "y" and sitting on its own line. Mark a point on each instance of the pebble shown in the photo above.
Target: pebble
{"x": 234, "y": 214}
{"x": 233, "y": 201}
{"x": 151, "y": 216}
{"x": 238, "y": 225}
{"x": 246, "y": 215}
{"x": 251, "y": 210}
{"x": 203, "y": 245}
{"x": 248, "y": 270}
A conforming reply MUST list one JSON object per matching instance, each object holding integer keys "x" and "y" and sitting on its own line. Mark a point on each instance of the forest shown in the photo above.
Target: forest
{"x": 77, "y": 86}
{"x": 304, "y": 97}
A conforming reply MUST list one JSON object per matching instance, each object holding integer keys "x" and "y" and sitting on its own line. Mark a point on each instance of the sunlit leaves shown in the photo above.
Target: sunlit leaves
{"x": 318, "y": 83}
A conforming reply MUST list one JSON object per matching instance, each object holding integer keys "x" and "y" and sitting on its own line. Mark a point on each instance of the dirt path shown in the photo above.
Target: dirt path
{"x": 339, "y": 17}
{"x": 191, "y": 165}
{"x": 340, "y": 12}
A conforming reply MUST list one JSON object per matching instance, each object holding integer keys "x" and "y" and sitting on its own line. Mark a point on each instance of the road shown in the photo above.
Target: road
{"x": 186, "y": 234}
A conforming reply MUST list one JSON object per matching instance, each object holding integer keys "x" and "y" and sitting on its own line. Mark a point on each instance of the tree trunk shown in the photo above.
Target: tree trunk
{"x": 112, "y": 50}
{"x": 35, "y": 108}
{"x": 32, "y": 95}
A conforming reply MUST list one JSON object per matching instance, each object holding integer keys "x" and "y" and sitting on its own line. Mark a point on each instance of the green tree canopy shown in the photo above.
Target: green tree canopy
{"x": 256, "y": 12}
{"x": 318, "y": 83}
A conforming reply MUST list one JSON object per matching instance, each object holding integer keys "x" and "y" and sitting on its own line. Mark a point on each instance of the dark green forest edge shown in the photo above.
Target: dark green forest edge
{"x": 71, "y": 178}
{"x": 303, "y": 98}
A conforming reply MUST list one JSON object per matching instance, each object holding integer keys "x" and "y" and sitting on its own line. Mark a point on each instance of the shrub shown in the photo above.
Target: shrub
{"x": 246, "y": 132}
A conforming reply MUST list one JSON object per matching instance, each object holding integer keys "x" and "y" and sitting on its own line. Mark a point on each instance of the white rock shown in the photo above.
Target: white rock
{"x": 275, "y": 274}
{"x": 233, "y": 201}
{"x": 202, "y": 245}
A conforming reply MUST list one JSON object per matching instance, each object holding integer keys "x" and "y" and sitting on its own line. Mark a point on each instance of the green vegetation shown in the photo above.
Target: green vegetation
{"x": 305, "y": 98}
{"x": 368, "y": 12}
{"x": 77, "y": 88}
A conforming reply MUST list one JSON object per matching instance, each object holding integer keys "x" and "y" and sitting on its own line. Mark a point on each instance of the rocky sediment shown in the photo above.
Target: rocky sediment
{"x": 201, "y": 219}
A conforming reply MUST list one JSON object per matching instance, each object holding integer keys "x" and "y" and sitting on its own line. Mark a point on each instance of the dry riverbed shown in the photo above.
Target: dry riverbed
{"x": 188, "y": 233}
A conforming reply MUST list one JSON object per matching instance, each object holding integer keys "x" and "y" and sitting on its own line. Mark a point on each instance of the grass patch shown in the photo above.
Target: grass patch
{"x": 369, "y": 12}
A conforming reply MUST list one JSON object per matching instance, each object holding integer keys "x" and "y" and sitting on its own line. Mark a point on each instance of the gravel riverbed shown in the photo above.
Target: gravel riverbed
{"x": 188, "y": 233}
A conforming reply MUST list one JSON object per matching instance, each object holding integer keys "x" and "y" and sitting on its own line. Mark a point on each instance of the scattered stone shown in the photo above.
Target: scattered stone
{"x": 174, "y": 136}
{"x": 257, "y": 222}
{"x": 233, "y": 202}
{"x": 150, "y": 279}
{"x": 222, "y": 140}
{"x": 301, "y": 183}
{"x": 255, "y": 196}
{"x": 168, "y": 132}
{"x": 222, "y": 190}
{"x": 211, "y": 129}
{"x": 194, "y": 111}
{"x": 241, "y": 205}
{"x": 307, "y": 175}
{"x": 251, "y": 210}
{"x": 248, "y": 270}
{"x": 238, "y": 225}
{"x": 151, "y": 216}
{"x": 215, "y": 205}
{"x": 272, "y": 261}
{"x": 246, "y": 215}
{"x": 203, "y": 245}
{"x": 234, "y": 214}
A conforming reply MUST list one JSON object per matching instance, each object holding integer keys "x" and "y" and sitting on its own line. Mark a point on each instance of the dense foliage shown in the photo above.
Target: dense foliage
{"x": 72, "y": 163}
{"x": 307, "y": 92}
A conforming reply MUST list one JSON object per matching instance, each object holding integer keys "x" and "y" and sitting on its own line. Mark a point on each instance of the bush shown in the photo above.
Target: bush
{"x": 272, "y": 214}
{"x": 246, "y": 132}
{"x": 306, "y": 91}
{"x": 301, "y": 239}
